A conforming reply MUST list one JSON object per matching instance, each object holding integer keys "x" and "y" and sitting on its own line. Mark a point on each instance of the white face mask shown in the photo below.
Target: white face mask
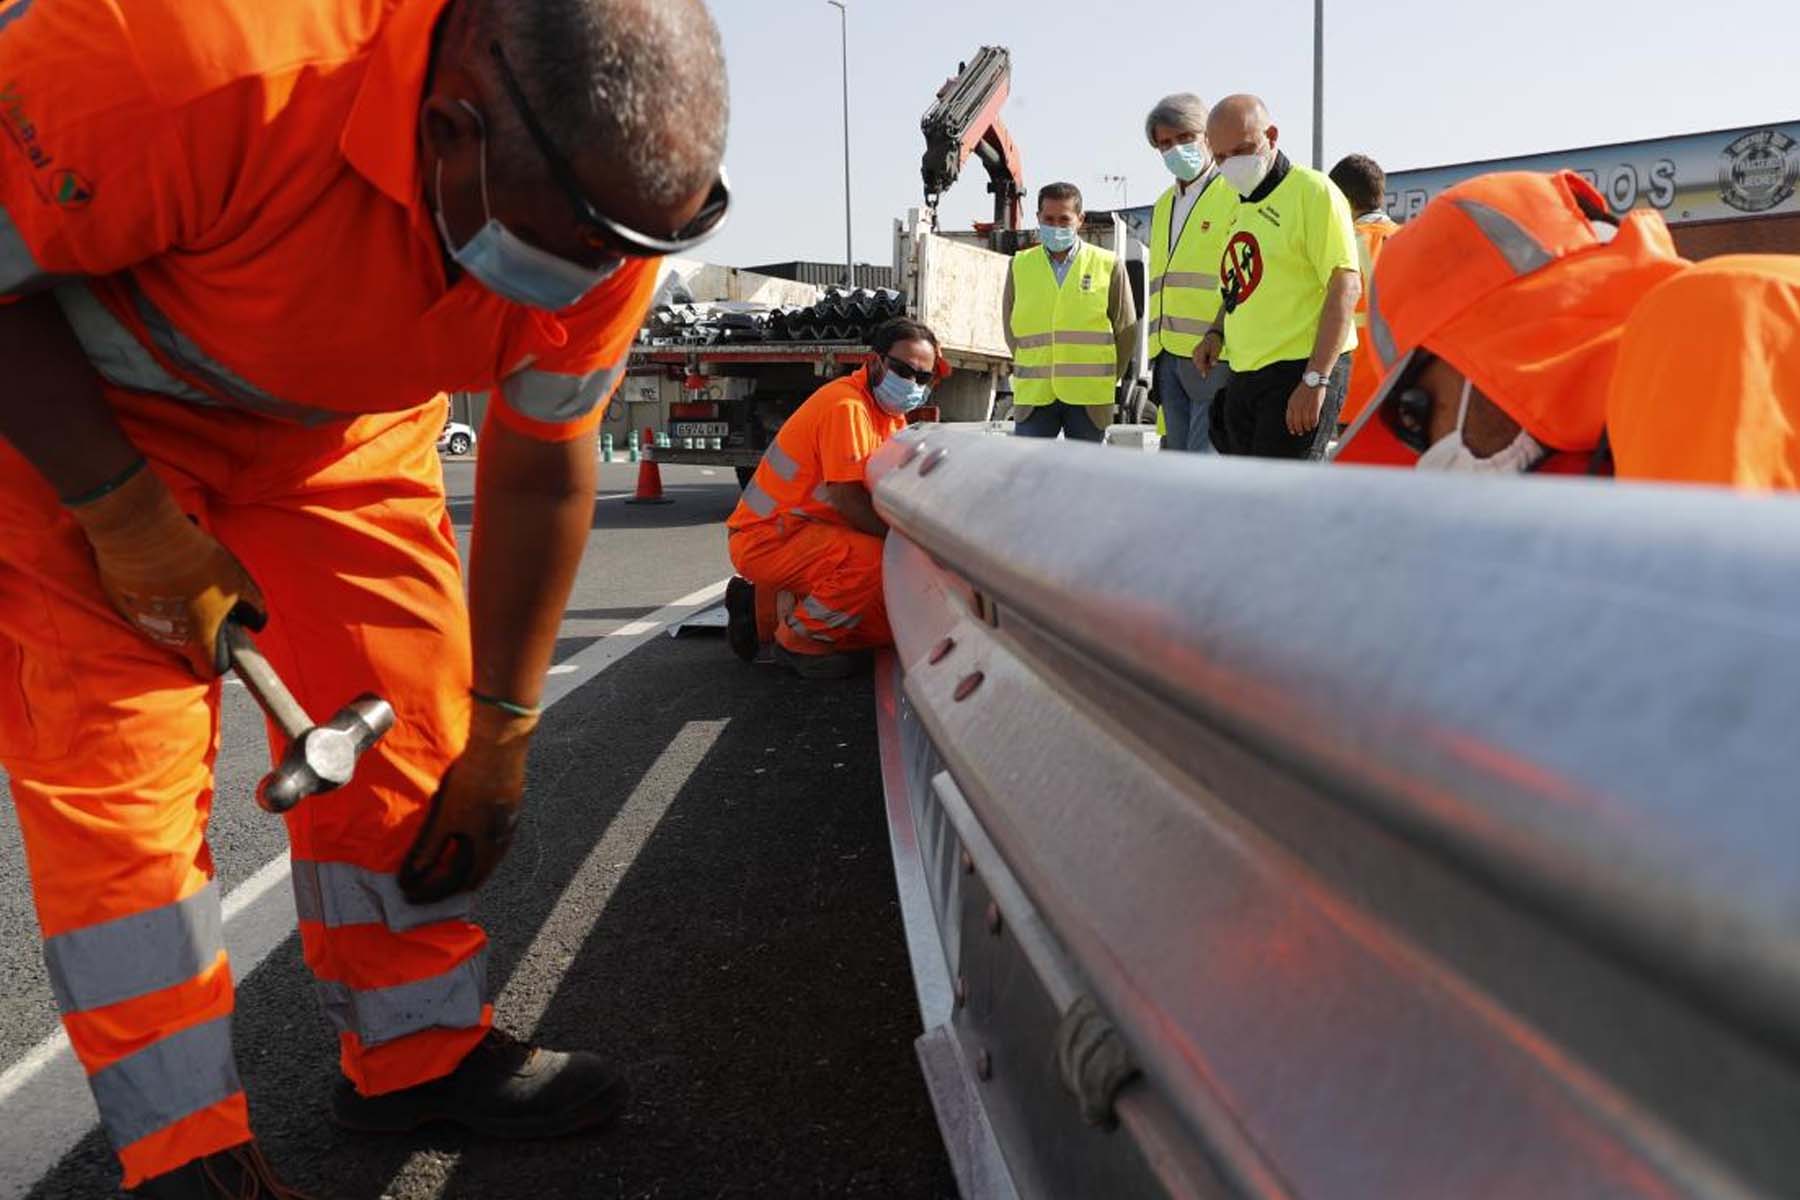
{"x": 1245, "y": 172}
{"x": 1449, "y": 453}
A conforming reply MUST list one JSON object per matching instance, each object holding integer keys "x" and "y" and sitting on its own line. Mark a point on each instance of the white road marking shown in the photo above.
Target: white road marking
{"x": 568, "y": 927}
{"x": 44, "y": 1095}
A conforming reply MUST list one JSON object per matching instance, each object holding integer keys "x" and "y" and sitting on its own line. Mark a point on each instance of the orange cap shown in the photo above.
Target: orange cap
{"x": 1517, "y": 281}
{"x": 1707, "y": 388}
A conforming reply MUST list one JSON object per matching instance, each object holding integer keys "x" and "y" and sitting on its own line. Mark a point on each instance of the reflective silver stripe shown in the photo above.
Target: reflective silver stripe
{"x": 831, "y": 618}
{"x": 1067, "y": 371}
{"x": 19, "y": 270}
{"x": 1379, "y": 334}
{"x": 337, "y": 894}
{"x": 172, "y": 1078}
{"x": 378, "y": 1015}
{"x": 133, "y": 956}
{"x": 759, "y": 501}
{"x": 549, "y": 397}
{"x": 1185, "y": 279}
{"x": 115, "y": 352}
{"x": 1083, "y": 337}
{"x": 794, "y": 623}
{"x": 822, "y": 493}
{"x": 1186, "y": 325}
{"x": 1522, "y": 251}
{"x": 187, "y": 354}
{"x": 781, "y": 462}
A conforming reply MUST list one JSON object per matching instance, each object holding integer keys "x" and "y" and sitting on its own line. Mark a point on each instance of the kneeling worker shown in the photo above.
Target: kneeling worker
{"x": 1070, "y": 323}
{"x": 807, "y": 525}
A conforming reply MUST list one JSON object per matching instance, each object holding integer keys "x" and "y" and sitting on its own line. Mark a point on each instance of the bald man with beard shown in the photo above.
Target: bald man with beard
{"x": 244, "y": 249}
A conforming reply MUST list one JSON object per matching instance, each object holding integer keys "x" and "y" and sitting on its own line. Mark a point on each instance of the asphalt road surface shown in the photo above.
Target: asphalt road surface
{"x": 700, "y": 889}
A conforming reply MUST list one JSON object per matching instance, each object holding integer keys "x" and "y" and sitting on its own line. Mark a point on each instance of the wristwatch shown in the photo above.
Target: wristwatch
{"x": 1314, "y": 379}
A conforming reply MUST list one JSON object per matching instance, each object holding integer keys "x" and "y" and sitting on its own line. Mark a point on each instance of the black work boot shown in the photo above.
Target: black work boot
{"x": 240, "y": 1173}
{"x": 504, "y": 1089}
{"x": 740, "y": 618}
{"x": 844, "y": 664}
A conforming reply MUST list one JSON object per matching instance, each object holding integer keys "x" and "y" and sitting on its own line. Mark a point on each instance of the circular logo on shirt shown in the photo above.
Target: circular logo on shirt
{"x": 1758, "y": 171}
{"x": 1241, "y": 270}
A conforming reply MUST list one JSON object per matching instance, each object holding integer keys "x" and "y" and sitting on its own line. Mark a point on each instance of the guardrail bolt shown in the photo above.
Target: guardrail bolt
{"x": 993, "y": 918}
{"x": 984, "y": 1065}
{"x": 962, "y": 991}
{"x": 942, "y": 650}
{"x": 969, "y": 683}
{"x": 933, "y": 459}
{"x": 968, "y": 863}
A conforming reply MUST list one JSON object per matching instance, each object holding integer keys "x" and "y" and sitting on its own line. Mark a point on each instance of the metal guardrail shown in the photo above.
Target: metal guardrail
{"x": 1344, "y": 833}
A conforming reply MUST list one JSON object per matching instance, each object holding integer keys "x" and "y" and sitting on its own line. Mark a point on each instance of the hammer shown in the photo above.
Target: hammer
{"x": 319, "y": 757}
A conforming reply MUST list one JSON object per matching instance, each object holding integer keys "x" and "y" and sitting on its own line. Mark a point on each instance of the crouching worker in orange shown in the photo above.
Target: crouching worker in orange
{"x": 1496, "y": 316}
{"x": 243, "y": 249}
{"x": 807, "y": 526}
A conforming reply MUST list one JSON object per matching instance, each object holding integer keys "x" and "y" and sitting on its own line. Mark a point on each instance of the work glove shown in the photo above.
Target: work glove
{"x": 171, "y": 580}
{"x": 472, "y": 817}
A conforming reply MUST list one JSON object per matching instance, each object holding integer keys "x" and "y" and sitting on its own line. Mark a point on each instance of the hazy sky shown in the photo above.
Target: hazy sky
{"x": 1412, "y": 82}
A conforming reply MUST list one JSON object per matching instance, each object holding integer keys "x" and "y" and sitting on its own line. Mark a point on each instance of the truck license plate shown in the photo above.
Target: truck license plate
{"x": 707, "y": 429}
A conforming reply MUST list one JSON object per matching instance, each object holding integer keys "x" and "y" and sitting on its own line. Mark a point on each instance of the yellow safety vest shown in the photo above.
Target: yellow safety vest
{"x": 1184, "y": 286}
{"x": 1064, "y": 343}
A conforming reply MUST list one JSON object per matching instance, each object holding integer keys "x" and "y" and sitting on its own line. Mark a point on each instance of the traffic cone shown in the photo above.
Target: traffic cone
{"x": 649, "y": 484}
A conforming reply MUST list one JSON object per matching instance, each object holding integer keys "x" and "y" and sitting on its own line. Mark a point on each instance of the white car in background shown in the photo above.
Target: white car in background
{"x": 457, "y": 438}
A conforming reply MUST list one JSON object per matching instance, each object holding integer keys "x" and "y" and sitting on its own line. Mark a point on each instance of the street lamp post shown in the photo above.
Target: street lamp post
{"x": 1124, "y": 188}
{"x": 844, "y": 29}
{"x": 1318, "y": 85}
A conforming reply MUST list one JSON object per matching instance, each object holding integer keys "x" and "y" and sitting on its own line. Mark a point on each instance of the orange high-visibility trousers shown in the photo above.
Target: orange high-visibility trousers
{"x": 834, "y": 573}
{"x": 109, "y": 743}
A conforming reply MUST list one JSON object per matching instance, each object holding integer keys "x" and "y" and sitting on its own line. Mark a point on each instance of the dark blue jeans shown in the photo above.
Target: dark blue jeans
{"x": 1048, "y": 420}
{"x": 1186, "y": 401}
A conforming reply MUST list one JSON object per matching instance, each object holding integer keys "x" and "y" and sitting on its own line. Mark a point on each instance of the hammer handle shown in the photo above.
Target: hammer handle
{"x": 264, "y": 683}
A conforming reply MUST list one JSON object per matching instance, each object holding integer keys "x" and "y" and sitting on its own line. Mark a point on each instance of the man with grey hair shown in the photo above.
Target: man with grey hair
{"x": 244, "y": 249}
{"x": 1188, "y": 228}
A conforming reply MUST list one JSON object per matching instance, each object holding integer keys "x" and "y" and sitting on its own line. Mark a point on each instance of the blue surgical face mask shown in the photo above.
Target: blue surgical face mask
{"x": 899, "y": 396}
{"x": 511, "y": 267}
{"x": 1187, "y": 161}
{"x": 1056, "y": 239}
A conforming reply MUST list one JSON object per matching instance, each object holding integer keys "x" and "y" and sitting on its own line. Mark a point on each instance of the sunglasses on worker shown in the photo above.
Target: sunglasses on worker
{"x": 600, "y": 231}
{"x": 1408, "y": 416}
{"x": 910, "y": 373}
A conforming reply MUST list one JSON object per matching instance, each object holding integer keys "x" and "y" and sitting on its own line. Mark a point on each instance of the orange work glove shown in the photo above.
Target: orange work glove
{"x": 171, "y": 580}
{"x": 472, "y": 817}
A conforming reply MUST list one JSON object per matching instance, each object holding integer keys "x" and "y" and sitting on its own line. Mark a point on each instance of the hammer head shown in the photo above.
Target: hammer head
{"x": 324, "y": 756}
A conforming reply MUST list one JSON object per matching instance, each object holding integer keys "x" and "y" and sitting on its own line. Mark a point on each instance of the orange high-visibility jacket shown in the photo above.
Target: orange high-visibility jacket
{"x": 1522, "y": 282}
{"x": 245, "y": 198}
{"x": 828, "y": 440}
{"x": 1372, "y": 233}
{"x": 1707, "y": 387}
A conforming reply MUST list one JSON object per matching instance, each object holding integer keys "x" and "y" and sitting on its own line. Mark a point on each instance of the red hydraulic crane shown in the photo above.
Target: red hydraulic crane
{"x": 965, "y": 120}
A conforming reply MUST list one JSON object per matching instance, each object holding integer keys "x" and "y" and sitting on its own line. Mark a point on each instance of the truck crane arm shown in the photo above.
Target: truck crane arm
{"x": 965, "y": 120}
